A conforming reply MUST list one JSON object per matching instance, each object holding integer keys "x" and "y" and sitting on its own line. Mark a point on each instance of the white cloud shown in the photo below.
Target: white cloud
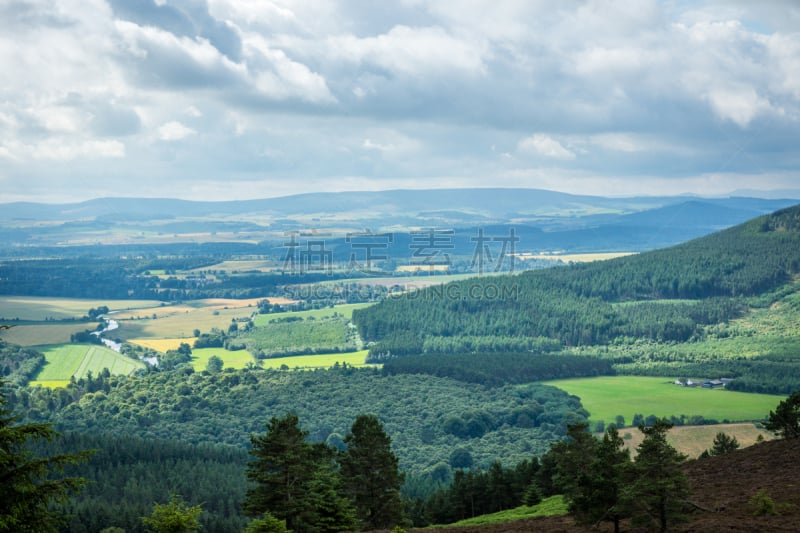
{"x": 740, "y": 105}
{"x": 545, "y": 145}
{"x": 413, "y": 52}
{"x": 174, "y": 131}
{"x": 60, "y": 149}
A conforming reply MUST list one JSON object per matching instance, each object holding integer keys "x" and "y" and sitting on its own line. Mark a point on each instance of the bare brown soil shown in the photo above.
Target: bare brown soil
{"x": 722, "y": 490}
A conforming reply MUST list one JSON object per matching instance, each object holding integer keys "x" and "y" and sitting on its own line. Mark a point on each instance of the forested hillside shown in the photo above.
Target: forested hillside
{"x": 681, "y": 288}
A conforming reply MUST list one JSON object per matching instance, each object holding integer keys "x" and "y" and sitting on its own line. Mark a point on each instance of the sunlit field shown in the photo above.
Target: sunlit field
{"x": 608, "y": 396}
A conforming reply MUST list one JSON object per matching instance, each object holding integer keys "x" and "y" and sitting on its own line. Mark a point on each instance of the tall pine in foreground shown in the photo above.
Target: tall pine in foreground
{"x": 591, "y": 474}
{"x": 295, "y": 482}
{"x": 371, "y": 474}
{"x": 282, "y": 469}
{"x": 656, "y": 495}
{"x": 27, "y": 487}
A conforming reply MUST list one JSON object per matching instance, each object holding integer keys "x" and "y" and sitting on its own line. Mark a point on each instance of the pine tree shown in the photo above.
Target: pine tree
{"x": 371, "y": 474}
{"x": 27, "y": 487}
{"x": 573, "y": 458}
{"x": 785, "y": 420}
{"x": 723, "y": 444}
{"x": 658, "y": 489}
{"x": 331, "y": 510}
{"x": 282, "y": 468}
{"x": 606, "y": 478}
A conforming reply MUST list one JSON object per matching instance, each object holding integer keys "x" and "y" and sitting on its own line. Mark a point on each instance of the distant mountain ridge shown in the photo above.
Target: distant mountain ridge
{"x": 549, "y": 220}
{"x": 499, "y": 201}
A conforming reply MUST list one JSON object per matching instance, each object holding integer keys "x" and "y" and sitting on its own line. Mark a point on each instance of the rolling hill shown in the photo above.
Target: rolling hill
{"x": 663, "y": 308}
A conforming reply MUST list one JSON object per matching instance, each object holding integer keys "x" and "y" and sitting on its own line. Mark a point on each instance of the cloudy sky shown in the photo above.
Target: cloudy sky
{"x": 235, "y": 99}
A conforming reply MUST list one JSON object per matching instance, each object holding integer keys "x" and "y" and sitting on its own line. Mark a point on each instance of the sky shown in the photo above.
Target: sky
{"x": 240, "y": 99}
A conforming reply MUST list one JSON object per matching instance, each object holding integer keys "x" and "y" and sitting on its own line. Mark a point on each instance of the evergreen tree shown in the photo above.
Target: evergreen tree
{"x": 658, "y": 488}
{"x": 785, "y": 420}
{"x": 606, "y": 478}
{"x": 282, "y": 469}
{"x": 574, "y": 457}
{"x": 371, "y": 474}
{"x": 27, "y": 487}
{"x": 330, "y": 509}
{"x": 723, "y": 444}
{"x": 175, "y": 516}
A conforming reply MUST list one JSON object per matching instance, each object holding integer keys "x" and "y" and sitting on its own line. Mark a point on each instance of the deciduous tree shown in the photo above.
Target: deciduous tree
{"x": 175, "y": 516}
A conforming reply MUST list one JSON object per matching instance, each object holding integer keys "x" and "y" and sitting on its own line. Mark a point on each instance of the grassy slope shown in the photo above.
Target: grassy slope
{"x": 608, "y": 396}
{"x": 552, "y": 506}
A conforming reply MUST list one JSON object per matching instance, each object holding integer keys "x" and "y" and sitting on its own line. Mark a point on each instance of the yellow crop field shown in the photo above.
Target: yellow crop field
{"x": 162, "y": 345}
{"x": 49, "y": 383}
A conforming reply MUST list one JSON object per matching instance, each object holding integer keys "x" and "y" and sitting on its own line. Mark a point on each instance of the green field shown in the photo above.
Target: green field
{"x": 552, "y": 506}
{"x": 608, "y": 396}
{"x": 344, "y": 310}
{"x": 319, "y": 335}
{"x": 241, "y": 359}
{"x": 318, "y": 361}
{"x": 231, "y": 359}
{"x": 65, "y": 361}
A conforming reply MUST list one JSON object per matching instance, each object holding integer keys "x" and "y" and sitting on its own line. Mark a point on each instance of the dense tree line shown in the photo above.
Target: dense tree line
{"x": 19, "y": 365}
{"x": 422, "y": 412}
{"x": 497, "y": 369}
{"x": 130, "y": 277}
{"x": 127, "y": 474}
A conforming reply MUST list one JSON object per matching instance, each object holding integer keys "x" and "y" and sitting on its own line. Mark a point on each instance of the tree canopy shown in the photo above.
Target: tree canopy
{"x": 27, "y": 485}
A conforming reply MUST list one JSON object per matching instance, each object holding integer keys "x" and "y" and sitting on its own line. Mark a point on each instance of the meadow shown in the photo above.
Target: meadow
{"x": 40, "y": 309}
{"x": 242, "y": 359}
{"x": 65, "y": 361}
{"x": 355, "y": 359}
{"x": 45, "y": 333}
{"x": 608, "y": 396}
{"x": 230, "y": 358}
